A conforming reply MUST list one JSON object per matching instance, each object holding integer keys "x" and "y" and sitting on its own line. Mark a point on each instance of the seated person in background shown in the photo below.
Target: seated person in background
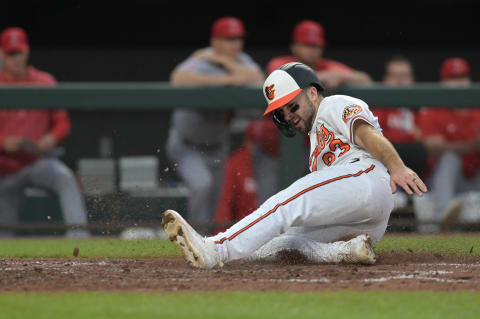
{"x": 198, "y": 141}
{"x": 28, "y": 138}
{"x": 308, "y": 45}
{"x": 251, "y": 174}
{"x": 452, "y": 137}
{"x": 399, "y": 123}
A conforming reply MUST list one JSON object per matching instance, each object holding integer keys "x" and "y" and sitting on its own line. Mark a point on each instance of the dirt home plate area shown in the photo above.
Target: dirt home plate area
{"x": 397, "y": 272}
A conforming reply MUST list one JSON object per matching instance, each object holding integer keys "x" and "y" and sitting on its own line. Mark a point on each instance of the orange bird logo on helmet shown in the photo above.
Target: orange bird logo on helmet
{"x": 270, "y": 91}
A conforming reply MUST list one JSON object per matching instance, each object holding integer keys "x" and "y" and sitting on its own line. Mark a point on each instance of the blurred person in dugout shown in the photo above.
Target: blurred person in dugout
{"x": 308, "y": 45}
{"x": 452, "y": 137}
{"x": 399, "y": 124}
{"x": 251, "y": 173}
{"x": 28, "y": 143}
{"x": 198, "y": 141}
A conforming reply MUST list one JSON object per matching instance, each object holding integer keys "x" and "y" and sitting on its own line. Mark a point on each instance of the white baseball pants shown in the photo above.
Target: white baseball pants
{"x": 313, "y": 213}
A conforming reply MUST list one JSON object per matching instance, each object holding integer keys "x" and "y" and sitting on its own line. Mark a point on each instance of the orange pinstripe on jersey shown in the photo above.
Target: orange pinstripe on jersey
{"x": 273, "y": 210}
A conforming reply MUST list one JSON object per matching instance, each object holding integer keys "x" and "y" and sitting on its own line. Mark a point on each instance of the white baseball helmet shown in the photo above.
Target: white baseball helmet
{"x": 283, "y": 85}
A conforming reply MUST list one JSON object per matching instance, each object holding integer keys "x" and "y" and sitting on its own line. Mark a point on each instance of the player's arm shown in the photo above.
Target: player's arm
{"x": 367, "y": 137}
{"x": 186, "y": 78}
{"x": 242, "y": 72}
{"x": 437, "y": 144}
{"x": 341, "y": 74}
{"x": 60, "y": 129}
{"x": 358, "y": 77}
{"x": 432, "y": 122}
{"x": 10, "y": 144}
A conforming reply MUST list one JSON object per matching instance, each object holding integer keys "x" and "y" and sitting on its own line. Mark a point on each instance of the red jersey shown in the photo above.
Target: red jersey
{"x": 239, "y": 195}
{"x": 398, "y": 124}
{"x": 453, "y": 126}
{"x": 322, "y": 64}
{"x": 31, "y": 124}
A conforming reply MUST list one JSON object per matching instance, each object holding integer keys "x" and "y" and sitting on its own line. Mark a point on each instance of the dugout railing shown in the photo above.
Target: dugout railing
{"x": 95, "y": 98}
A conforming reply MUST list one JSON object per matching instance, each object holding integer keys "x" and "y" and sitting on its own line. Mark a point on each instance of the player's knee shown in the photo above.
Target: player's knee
{"x": 62, "y": 176}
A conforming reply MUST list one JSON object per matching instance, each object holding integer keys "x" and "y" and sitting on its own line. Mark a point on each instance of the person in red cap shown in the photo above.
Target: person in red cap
{"x": 452, "y": 138}
{"x": 28, "y": 142}
{"x": 198, "y": 141}
{"x": 455, "y": 72}
{"x": 251, "y": 173}
{"x": 308, "y": 44}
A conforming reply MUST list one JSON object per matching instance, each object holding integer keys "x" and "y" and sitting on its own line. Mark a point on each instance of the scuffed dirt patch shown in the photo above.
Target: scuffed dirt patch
{"x": 392, "y": 271}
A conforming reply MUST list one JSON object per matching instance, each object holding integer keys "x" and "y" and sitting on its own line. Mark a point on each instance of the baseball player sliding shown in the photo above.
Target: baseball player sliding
{"x": 335, "y": 213}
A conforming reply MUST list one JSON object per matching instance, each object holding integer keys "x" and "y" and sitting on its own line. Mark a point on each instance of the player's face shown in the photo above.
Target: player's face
{"x": 398, "y": 74}
{"x": 231, "y": 47}
{"x": 15, "y": 63}
{"x": 307, "y": 53}
{"x": 457, "y": 82}
{"x": 299, "y": 113}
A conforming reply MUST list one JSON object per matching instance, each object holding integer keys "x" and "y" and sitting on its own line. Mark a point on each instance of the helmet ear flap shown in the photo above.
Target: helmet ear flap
{"x": 283, "y": 125}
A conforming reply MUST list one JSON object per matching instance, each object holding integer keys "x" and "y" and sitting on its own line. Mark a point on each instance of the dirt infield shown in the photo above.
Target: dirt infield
{"x": 392, "y": 271}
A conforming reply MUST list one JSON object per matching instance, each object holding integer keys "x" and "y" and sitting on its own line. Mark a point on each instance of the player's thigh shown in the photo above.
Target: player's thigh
{"x": 337, "y": 195}
{"x": 328, "y": 234}
{"x": 49, "y": 173}
{"x": 192, "y": 167}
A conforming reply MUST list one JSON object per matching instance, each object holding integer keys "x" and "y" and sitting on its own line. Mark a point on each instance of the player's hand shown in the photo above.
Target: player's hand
{"x": 238, "y": 79}
{"x": 209, "y": 55}
{"x": 408, "y": 180}
{"x": 47, "y": 143}
{"x": 12, "y": 144}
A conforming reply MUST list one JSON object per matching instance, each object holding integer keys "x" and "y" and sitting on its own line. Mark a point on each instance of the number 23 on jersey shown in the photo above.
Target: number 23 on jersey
{"x": 325, "y": 138}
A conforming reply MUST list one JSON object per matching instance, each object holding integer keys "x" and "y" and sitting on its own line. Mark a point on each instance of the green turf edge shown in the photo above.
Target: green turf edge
{"x": 459, "y": 245}
{"x": 91, "y": 248}
{"x": 346, "y": 304}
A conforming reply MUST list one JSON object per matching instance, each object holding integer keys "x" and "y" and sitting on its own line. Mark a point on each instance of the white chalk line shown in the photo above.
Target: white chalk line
{"x": 452, "y": 265}
{"x": 400, "y": 277}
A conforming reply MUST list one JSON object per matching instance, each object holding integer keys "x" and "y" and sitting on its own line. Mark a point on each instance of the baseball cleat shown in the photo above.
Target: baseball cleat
{"x": 361, "y": 250}
{"x": 198, "y": 251}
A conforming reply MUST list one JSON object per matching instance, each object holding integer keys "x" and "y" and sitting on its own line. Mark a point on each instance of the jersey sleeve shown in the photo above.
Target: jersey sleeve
{"x": 346, "y": 112}
{"x": 49, "y": 80}
{"x": 61, "y": 126}
{"x": 41, "y": 78}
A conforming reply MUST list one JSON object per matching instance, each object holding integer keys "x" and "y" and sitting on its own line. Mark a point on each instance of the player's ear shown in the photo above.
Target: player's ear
{"x": 312, "y": 92}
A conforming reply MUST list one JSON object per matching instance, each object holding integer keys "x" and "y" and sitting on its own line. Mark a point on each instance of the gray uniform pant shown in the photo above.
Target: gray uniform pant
{"x": 202, "y": 172}
{"x": 447, "y": 181}
{"x": 47, "y": 173}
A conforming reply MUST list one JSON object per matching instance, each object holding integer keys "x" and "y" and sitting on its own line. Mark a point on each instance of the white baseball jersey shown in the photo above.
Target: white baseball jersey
{"x": 331, "y": 137}
{"x": 347, "y": 193}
